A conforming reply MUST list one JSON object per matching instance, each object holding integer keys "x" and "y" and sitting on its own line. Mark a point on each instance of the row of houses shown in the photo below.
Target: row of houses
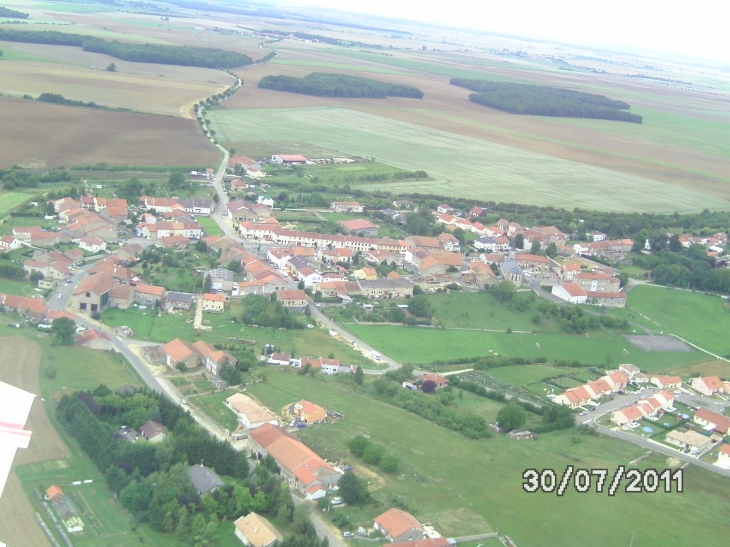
{"x": 178, "y": 354}
{"x": 612, "y": 382}
{"x": 326, "y": 366}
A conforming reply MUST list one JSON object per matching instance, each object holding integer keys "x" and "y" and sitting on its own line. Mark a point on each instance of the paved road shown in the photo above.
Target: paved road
{"x": 323, "y": 529}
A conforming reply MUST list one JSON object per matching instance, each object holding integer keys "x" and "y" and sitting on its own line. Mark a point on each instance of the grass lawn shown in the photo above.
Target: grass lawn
{"x": 20, "y": 287}
{"x": 10, "y": 200}
{"x": 464, "y": 486}
{"x": 701, "y": 319}
{"x": 212, "y": 405}
{"x": 425, "y": 345}
{"x": 210, "y": 226}
{"x": 521, "y": 375}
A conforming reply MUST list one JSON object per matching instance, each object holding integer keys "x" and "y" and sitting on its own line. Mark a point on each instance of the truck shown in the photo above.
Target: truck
{"x": 375, "y": 355}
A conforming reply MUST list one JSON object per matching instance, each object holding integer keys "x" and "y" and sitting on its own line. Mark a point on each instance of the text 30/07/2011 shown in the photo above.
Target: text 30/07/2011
{"x": 587, "y": 480}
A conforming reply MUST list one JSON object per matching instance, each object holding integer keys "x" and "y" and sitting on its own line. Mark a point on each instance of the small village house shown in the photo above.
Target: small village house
{"x": 249, "y": 413}
{"x": 255, "y": 531}
{"x": 398, "y": 526}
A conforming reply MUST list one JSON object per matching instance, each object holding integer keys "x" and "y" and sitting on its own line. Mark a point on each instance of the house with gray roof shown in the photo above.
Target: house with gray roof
{"x": 204, "y": 479}
{"x": 512, "y": 271}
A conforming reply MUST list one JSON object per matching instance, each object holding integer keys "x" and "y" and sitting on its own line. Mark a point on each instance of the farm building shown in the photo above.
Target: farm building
{"x": 360, "y": 226}
{"x": 398, "y": 526}
{"x": 248, "y": 412}
{"x": 92, "y": 294}
{"x": 288, "y": 159}
{"x": 346, "y": 207}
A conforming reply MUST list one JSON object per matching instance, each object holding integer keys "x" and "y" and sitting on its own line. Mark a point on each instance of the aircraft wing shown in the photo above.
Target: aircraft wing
{"x": 14, "y": 409}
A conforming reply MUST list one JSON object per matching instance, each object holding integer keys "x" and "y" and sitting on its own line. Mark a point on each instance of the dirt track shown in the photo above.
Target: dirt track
{"x": 19, "y": 364}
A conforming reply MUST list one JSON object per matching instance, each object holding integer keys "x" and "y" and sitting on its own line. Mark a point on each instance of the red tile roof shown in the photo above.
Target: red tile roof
{"x": 397, "y": 522}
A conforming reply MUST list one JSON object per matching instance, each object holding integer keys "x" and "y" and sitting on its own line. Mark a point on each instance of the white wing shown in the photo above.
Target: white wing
{"x": 14, "y": 409}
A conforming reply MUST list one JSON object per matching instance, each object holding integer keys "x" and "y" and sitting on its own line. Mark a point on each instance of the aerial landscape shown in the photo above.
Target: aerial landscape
{"x": 283, "y": 274}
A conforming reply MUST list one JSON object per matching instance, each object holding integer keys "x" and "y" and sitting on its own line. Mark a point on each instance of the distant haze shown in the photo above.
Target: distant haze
{"x": 693, "y": 28}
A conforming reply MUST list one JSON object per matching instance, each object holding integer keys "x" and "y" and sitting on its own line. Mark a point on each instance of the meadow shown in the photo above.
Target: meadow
{"x": 65, "y": 136}
{"x": 210, "y": 226}
{"x": 464, "y": 486}
{"x": 699, "y": 318}
{"x": 420, "y": 345}
{"x": 458, "y": 165}
{"x": 10, "y": 200}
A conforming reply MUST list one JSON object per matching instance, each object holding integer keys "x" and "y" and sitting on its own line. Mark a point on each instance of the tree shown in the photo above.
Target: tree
{"x": 353, "y": 489}
{"x": 674, "y": 244}
{"x": 536, "y": 248}
{"x": 429, "y": 386}
{"x": 504, "y": 291}
{"x": 390, "y": 463}
{"x": 373, "y": 454}
{"x": 63, "y": 330}
{"x": 420, "y": 306}
{"x": 511, "y": 416}
{"x": 519, "y": 241}
{"x": 111, "y": 68}
{"x": 207, "y": 284}
{"x": 359, "y": 375}
{"x": 36, "y": 276}
{"x": 417, "y": 290}
{"x": 235, "y": 266}
{"x": 552, "y": 250}
{"x": 177, "y": 181}
{"x": 300, "y": 285}
{"x": 201, "y": 246}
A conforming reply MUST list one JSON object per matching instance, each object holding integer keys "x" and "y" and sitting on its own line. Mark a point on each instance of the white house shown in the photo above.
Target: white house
{"x": 666, "y": 382}
{"x": 708, "y": 385}
{"x": 214, "y": 302}
{"x": 92, "y": 244}
{"x": 279, "y": 359}
{"x": 249, "y": 413}
{"x": 723, "y": 457}
{"x": 570, "y": 292}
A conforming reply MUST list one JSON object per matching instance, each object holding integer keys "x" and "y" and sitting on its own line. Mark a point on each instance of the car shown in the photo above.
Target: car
{"x": 310, "y": 326}
{"x": 183, "y": 402}
{"x": 584, "y": 413}
{"x": 60, "y": 296}
{"x": 292, "y": 423}
{"x": 348, "y": 535}
{"x": 677, "y": 391}
{"x": 69, "y": 281}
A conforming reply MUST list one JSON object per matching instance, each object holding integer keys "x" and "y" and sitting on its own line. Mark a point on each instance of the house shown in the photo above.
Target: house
{"x": 214, "y": 360}
{"x": 712, "y": 421}
{"x": 617, "y": 380}
{"x": 570, "y": 292}
{"x": 365, "y": 273}
{"x": 204, "y": 479}
{"x": 255, "y": 531}
{"x": 574, "y": 397}
{"x": 279, "y": 359}
{"x": 445, "y": 208}
{"x": 606, "y": 299}
{"x": 214, "y": 302}
{"x": 9, "y": 243}
{"x": 308, "y": 412}
{"x": 177, "y": 301}
{"x": 598, "y": 282}
{"x": 300, "y": 466}
{"x": 360, "y": 226}
{"x": 723, "y": 457}
{"x": 93, "y": 293}
{"x": 688, "y": 440}
{"x": 293, "y": 299}
{"x": 440, "y": 381}
{"x": 154, "y": 355}
{"x": 94, "y": 339}
{"x": 630, "y": 370}
{"x": 400, "y": 287}
{"x": 512, "y": 271}
{"x": 534, "y": 263}
{"x": 288, "y": 159}
{"x": 398, "y": 526}
{"x": 248, "y": 412}
{"x": 627, "y": 415}
{"x": 180, "y": 354}
{"x": 346, "y": 207}
{"x": 666, "y": 382}
{"x": 153, "y": 431}
{"x": 708, "y": 385}
{"x": 221, "y": 279}
{"x": 449, "y": 242}
{"x": 92, "y": 244}
{"x": 149, "y": 295}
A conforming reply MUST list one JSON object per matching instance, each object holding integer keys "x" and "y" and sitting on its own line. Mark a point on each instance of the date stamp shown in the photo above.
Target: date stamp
{"x": 599, "y": 480}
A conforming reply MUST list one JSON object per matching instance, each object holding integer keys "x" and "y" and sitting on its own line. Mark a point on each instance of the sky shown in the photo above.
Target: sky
{"x": 695, "y": 28}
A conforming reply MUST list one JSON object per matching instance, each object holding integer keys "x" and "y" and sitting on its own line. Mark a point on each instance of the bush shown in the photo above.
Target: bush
{"x": 50, "y": 372}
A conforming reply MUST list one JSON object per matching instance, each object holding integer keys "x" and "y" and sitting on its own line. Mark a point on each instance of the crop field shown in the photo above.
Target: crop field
{"x": 478, "y": 486}
{"x": 458, "y": 165}
{"x": 701, "y": 319}
{"x": 81, "y": 75}
{"x": 65, "y": 136}
{"x": 424, "y": 345}
{"x": 10, "y": 200}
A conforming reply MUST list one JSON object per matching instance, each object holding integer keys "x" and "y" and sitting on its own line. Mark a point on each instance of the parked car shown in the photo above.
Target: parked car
{"x": 348, "y": 535}
{"x": 336, "y": 501}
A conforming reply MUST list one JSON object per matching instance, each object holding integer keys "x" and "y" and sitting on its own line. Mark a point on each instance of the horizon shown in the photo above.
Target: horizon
{"x": 638, "y": 25}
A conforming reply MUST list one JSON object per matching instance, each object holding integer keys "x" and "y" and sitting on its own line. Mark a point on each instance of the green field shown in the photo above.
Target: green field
{"x": 20, "y": 287}
{"x": 425, "y": 345}
{"x": 701, "y": 319}
{"x": 213, "y": 407}
{"x": 304, "y": 342}
{"x": 10, "y": 200}
{"x": 521, "y": 375}
{"x": 210, "y": 226}
{"x": 463, "y": 486}
{"x": 457, "y": 164}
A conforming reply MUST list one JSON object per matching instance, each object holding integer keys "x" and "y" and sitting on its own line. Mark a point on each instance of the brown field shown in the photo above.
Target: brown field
{"x": 80, "y": 75}
{"x": 447, "y": 108}
{"x": 19, "y": 363}
{"x": 53, "y": 135}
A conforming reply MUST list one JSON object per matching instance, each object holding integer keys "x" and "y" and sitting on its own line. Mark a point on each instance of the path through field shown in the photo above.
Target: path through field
{"x": 458, "y": 165}
{"x": 19, "y": 364}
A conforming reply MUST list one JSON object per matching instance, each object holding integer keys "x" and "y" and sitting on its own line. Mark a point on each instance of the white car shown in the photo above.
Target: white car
{"x": 310, "y": 326}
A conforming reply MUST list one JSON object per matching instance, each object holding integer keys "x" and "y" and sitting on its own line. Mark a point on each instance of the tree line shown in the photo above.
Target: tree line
{"x": 18, "y": 178}
{"x": 135, "y": 53}
{"x": 11, "y": 13}
{"x": 268, "y": 312}
{"x": 321, "y": 84}
{"x": 545, "y": 101}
